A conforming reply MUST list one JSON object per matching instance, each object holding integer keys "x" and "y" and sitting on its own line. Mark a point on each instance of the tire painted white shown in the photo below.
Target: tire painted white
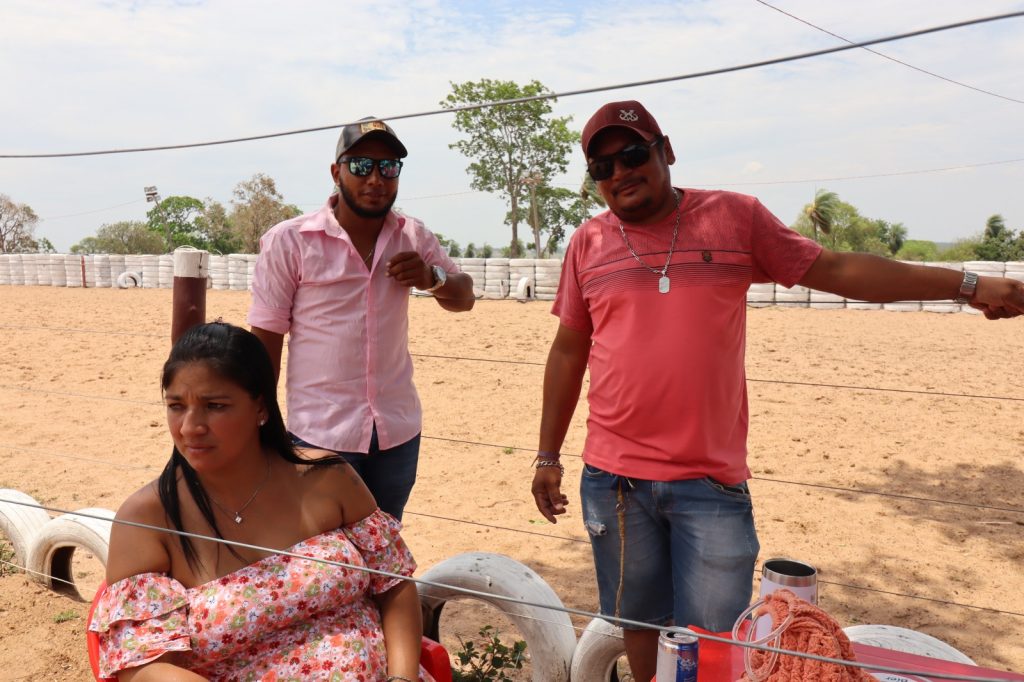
{"x": 165, "y": 271}
{"x": 73, "y": 271}
{"x": 986, "y": 267}
{"x": 58, "y": 539}
{"x": 58, "y": 275}
{"x": 550, "y": 638}
{"x": 497, "y": 261}
{"x": 472, "y": 261}
{"x": 550, "y": 290}
{"x": 907, "y": 641}
{"x": 795, "y": 296}
{"x": 151, "y": 272}
{"x": 903, "y": 306}
{"x": 19, "y": 524}
{"x": 599, "y": 649}
{"x": 116, "y": 268}
{"x": 5, "y": 268}
{"x": 28, "y": 266}
{"x": 101, "y": 270}
{"x": 863, "y": 305}
{"x": 524, "y": 289}
{"x": 129, "y": 280}
{"x": 17, "y": 270}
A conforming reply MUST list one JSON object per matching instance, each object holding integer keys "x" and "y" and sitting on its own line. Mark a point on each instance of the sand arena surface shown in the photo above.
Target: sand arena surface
{"x": 81, "y": 425}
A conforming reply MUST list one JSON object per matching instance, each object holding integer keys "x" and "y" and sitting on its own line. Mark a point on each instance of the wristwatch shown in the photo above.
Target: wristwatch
{"x": 967, "y": 287}
{"x": 440, "y": 277}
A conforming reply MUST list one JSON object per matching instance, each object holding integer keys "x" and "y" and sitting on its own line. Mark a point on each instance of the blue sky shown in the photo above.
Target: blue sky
{"x": 91, "y": 75}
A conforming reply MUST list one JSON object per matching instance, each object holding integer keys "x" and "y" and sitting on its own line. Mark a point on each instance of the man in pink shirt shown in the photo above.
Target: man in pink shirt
{"x": 337, "y": 282}
{"x": 652, "y": 297}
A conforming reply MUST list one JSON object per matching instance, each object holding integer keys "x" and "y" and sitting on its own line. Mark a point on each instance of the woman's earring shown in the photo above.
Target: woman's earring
{"x": 263, "y": 421}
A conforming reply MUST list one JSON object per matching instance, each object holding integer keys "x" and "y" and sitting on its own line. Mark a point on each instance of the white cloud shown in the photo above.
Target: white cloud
{"x": 81, "y": 75}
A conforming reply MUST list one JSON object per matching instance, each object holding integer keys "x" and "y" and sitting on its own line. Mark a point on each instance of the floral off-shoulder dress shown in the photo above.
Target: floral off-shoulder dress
{"x": 278, "y": 619}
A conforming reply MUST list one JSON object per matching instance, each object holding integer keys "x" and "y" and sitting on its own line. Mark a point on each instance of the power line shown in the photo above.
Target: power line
{"x": 892, "y": 59}
{"x": 98, "y": 210}
{"x": 498, "y": 597}
{"x": 546, "y": 96}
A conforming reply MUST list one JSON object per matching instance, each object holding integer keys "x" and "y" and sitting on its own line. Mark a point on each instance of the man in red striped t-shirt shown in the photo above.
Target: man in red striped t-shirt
{"x": 653, "y": 297}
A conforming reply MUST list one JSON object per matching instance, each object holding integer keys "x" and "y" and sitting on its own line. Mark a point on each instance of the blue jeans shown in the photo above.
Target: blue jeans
{"x": 389, "y": 474}
{"x": 690, "y": 548}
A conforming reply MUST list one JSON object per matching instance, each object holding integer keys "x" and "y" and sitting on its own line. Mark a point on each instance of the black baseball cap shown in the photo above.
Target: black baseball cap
{"x": 368, "y": 127}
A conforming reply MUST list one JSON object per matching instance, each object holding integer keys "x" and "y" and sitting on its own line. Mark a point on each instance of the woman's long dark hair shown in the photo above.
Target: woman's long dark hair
{"x": 239, "y": 357}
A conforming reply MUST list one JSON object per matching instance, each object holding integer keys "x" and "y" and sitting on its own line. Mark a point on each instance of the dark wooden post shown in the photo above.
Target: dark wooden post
{"x": 191, "y": 269}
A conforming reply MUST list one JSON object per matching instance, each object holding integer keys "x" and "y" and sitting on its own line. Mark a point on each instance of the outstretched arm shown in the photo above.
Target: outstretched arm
{"x": 563, "y": 378}
{"x": 872, "y": 278}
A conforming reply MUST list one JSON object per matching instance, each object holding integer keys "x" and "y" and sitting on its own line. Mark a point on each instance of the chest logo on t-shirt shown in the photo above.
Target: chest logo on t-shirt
{"x": 706, "y": 255}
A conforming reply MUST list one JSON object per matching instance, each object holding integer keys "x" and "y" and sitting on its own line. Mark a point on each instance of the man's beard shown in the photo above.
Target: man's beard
{"x": 363, "y": 212}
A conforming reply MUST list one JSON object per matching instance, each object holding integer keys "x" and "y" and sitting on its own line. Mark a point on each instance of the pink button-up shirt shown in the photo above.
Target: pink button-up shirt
{"x": 348, "y": 352}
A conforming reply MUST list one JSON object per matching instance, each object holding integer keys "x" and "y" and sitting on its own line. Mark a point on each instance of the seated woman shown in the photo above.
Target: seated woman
{"x": 184, "y": 608}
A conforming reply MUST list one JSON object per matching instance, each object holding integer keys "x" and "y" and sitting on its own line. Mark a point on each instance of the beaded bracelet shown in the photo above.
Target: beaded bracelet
{"x": 551, "y": 463}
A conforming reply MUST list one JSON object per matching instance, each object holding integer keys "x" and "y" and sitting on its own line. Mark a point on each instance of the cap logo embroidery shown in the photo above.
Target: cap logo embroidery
{"x": 372, "y": 125}
{"x": 628, "y": 115}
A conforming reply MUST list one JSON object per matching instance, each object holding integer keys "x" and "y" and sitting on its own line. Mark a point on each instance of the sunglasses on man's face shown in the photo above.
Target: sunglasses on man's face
{"x": 633, "y": 156}
{"x": 362, "y": 166}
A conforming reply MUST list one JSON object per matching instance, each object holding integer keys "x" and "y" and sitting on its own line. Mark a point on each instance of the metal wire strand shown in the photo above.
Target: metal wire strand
{"x": 522, "y": 602}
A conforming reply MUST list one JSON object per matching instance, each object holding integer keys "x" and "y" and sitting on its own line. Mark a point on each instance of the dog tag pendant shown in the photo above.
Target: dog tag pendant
{"x": 663, "y": 284}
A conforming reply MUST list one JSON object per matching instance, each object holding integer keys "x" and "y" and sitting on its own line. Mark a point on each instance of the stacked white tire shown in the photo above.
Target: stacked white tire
{"x": 165, "y": 271}
{"x": 17, "y": 270}
{"x": 496, "y": 274}
{"x": 219, "y": 271}
{"x": 547, "y": 272}
{"x": 151, "y": 272}
{"x": 238, "y": 272}
{"x": 761, "y": 294}
{"x": 795, "y": 296}
{"x": 116, "y": 264}
{"x": 5, "y": 268}
{"x": 520, "y": 269}
{"x": 58, "y": 275}
{"x": 73, "y": 271}
{"x": 475, "y": 268}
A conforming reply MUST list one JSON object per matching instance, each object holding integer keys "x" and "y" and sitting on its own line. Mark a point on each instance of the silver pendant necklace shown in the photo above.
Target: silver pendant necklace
{"x": 237, "y": 515}
{"x": 663, "y": 280}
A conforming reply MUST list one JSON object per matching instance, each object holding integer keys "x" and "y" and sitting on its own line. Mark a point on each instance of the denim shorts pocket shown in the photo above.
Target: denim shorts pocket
{"x": 739, "y": 491}
{"x": 590, "y": 471}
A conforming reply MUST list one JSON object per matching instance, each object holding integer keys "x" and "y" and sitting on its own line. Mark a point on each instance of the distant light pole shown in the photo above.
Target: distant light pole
{"x": 154, "y": 196}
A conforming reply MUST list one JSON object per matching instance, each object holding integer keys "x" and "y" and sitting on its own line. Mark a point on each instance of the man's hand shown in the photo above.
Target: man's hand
{"x": 408, "y": 269}
{"x": 999, "y": 297}
{"x": 547, "y": 492}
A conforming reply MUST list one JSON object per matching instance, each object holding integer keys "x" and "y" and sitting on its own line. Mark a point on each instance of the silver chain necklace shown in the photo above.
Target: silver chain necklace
{"x": 663, "y": 281}
{"x": 237, "y": 516}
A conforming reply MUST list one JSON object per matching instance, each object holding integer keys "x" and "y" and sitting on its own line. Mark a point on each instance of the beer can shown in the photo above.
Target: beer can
{"x": 677, "y": 657}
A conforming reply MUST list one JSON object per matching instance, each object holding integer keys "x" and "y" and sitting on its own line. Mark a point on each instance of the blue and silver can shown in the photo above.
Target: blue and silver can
{"x": 677, "y": 657}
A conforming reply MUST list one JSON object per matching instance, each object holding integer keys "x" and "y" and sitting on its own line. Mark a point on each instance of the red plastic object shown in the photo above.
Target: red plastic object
{"x": 433, "y": 656}
{"x": 721, "y": 662}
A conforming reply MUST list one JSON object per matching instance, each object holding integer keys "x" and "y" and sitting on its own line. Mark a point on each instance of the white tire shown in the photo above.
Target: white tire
{"x": 129, "y": 280}
{"x": 599, "y": 649}
{"x": 56, "y": 542}
{"x": 19, "y": 524}
{"x": 907, "y": 641}
{"x": 550, "y": 638}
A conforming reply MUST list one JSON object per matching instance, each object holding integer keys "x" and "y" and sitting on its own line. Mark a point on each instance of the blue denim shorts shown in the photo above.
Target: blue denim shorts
{"x": 690, "y": 548}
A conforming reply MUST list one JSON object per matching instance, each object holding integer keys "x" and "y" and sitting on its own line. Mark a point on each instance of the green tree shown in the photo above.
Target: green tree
{"x": 918, "y": 250}
{"x": 821, "y": 212}
{"x": 998, "y": 242}
{"x": 46, "y": 246}
{"x": 124, "y": 237}
{"x": 470, "y": 250}
{"x": 256, "y": 208}
{"x": 17, "y": 227}
{"x": 558, "y": 210}
{"x": 220, "y": 236}
{"x": 961, "y": 250}
{"x": 453, "y": 246}
{"x": 510, "y": 143}
{"x": 486, "y": 251}
{"x": 179, "y": 220}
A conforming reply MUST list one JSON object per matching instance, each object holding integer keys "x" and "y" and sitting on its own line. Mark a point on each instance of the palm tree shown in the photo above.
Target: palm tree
{"x": 589, "y": 192}
{"x": 821, "y": 212}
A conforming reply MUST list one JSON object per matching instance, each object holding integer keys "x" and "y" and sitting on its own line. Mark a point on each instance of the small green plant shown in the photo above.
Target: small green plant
{"x": 6, "y": 559}
{"x": 65, "y": 616}
{"x": 487, "y": 659}
{"x": 508, "y": 451}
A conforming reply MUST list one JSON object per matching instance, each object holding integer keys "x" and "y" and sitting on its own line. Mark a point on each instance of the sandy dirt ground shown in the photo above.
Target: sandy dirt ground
{"x": 81, "y": 425}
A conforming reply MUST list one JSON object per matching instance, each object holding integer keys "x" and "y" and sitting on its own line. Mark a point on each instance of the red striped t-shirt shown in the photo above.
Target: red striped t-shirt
{"x": 668, "y": 395}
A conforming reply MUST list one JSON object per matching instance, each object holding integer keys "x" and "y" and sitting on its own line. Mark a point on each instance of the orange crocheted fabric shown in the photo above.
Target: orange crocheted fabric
{"x": 812, "y": 631}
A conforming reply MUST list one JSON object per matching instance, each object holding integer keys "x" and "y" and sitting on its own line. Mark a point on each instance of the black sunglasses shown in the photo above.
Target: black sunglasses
{"x": 633, "y": 156}
{"x": 361, "y": 166}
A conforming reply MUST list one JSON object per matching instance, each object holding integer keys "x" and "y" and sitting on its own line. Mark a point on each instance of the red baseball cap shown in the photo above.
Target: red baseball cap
{"x": 629, "y": 114}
